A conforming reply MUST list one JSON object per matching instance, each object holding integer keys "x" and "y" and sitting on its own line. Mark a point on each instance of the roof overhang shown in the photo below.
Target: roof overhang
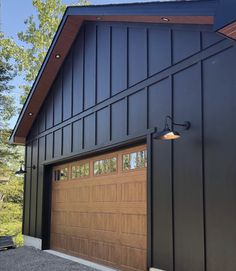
{"x": 225, "y": 22}
{"x": 181, "y": 12}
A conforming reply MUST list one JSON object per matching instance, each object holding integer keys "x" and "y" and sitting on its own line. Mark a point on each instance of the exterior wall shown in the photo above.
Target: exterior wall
{"x": 118, "y": 81}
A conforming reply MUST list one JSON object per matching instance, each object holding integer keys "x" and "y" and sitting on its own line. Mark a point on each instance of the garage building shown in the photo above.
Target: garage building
{"x": 102, "y": 183}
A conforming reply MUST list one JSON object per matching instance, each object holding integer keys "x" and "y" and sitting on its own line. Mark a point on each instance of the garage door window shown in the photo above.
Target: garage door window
{"x": 61, "y": 174}
{"x": 80, "y": 171}
{"x": 135, "y": 160}
{"x": 105, "y": 166}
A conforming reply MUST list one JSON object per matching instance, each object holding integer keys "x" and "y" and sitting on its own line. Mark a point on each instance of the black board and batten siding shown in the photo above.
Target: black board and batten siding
{"x": 120, "y": 80}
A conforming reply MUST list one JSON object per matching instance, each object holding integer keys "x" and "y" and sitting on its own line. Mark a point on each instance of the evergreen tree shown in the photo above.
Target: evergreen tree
{"x": 11, "y": 187}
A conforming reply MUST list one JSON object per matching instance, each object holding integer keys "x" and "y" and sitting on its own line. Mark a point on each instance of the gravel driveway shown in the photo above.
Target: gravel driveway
{"x": 31, "y": 259}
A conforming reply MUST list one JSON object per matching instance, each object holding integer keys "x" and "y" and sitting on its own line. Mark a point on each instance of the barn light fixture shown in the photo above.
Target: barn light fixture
{"x": 165, "y": 19}
{"x": 23, "y": 171}
{"x": 98, "y": 18}
{"x": 57, "y": 56}
{"x": 30, "y": 114}
{"x": 169, "y": 134}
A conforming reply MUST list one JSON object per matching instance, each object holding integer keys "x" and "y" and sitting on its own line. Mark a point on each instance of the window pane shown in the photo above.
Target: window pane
{"x": 113, "y": 164}
{"x": 74, "y": 172}
{"x": 86, "y": 169}
{"x": 105, "y": 166}
{"x": 64, "y": 174}
{"x": 80, "y": 171}
{"x": 96, "y": 168}
{"x": 126, "y": 162}
{"x": 56, "y": 175}
{"x": 61, "y": 174}
{"x": 135, "y": 160}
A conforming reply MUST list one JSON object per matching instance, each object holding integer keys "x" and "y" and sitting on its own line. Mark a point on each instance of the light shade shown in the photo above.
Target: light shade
{"x": 167, "y": 134}
{"x": 170, "y": 134}
{"x": 20, "y": 171}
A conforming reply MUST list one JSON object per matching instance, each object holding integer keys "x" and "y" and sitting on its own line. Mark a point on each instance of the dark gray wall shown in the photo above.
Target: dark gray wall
{"x": 118, "y": 81}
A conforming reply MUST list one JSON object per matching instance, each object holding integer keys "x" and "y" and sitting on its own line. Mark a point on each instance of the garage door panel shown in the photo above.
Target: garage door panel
{"x": 79, "y": 232}
{"x": 117, "y": 207}
{"x": 133, "y": 224}
{"x": 133, "y": 258}
{"x": 78, "y": 219}
{"x": 105, "y": 193}
{"x": 59, "y": 217}
{"x": 100, "y": 214}
{"x": 133, "y": 240}
{"x": 78, "y": 244}
{"x": 135, "y": 191}
{"x": 104, "y": 221}
{"x": 60, "y": 195}
{"x": 122, "y": 239}
{"x": 108, "y": 253}
{"x": 59, "y": 241}
{"x": 78, "y": 194}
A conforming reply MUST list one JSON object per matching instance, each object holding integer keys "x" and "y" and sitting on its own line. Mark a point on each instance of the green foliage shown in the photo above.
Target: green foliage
{"x": 10, "y": 155}
{"x": 36, "y": 39}
{"x": 11, "y": 202}
{"x": 11, "y": 192}
{"x": 7, "y": 108}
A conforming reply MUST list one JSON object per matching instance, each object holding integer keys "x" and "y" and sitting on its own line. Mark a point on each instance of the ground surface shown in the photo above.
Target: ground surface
{"x": 30, "y": 259}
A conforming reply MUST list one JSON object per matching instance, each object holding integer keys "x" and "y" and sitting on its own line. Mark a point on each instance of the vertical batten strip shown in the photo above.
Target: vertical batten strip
{"x": 96, "y": 128}
{"x": 172, "y": 152}
{"x": 127, "y": 57}
{"x": 30, "y": 184}
{"x": 172, "y": 171}
{"x": 82, "y": 122}
{"x": 203, "y": 165}
{"x": 37, "y": 181}
{"x": 96, "y": 65}
{"x": 110, "y": 74}
{"x": 72, "y": 78}
{"x": 83, "y": 99}
{"x": 127, "y": 114}
{"x": 148, "y": 56}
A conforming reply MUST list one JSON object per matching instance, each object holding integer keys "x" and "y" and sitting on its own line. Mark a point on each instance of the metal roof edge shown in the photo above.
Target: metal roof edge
{"x": 171, "y": 8}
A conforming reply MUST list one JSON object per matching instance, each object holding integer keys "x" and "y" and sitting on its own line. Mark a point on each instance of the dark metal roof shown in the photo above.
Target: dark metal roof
{"x": 171, "y": 8}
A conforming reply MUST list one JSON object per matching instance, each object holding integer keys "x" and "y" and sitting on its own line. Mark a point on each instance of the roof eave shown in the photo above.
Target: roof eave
{"x": 195, "y": 8}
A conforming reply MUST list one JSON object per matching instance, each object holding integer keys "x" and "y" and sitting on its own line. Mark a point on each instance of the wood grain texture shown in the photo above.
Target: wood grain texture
{"x": 102, "y": 218}
{"x": 229, "y": 31}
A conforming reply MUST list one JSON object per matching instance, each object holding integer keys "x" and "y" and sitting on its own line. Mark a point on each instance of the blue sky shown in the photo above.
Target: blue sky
{"x": 14, "y": 13}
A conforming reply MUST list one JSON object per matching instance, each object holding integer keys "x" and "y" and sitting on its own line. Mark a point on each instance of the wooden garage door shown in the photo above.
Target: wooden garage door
{"x": 99, "y": 209}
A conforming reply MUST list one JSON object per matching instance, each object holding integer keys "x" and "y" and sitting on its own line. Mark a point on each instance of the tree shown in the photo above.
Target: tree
{"x": 11, "y": 202}
{"x": 36, "y": 40}
{"x": 11, "y": 191}
{"x": 7, "y": 107}
{"x": 9, "y": 155}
